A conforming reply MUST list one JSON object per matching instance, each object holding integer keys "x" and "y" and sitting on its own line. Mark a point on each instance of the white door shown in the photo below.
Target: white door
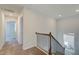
{"x": 10, "y": 31}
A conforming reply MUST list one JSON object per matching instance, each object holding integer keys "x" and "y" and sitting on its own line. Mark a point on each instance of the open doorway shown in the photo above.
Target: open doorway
{"x": 10, "y": 31}
{"x": 13, "y": 32}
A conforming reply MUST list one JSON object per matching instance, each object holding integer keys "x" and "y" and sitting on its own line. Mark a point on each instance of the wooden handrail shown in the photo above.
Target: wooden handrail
{"x": 50, "y": 53}
{"x": 50, "y": 35}
{"x": 42, "y": 34}
{"x": 56, "y": 41}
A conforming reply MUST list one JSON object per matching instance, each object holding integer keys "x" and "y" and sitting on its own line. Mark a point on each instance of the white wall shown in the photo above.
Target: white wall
{"x": 69, "y": 25}
{"x": 1, "y": 30}
{"x": 34, "y": 22}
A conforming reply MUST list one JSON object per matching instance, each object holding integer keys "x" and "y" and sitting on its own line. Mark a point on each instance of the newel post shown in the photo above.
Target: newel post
{"x": 50, "y": 52}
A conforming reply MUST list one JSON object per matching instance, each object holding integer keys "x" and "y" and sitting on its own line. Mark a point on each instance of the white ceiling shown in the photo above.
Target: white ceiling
{"x": 53, "y": 10}
{"x": 13, "y": 7}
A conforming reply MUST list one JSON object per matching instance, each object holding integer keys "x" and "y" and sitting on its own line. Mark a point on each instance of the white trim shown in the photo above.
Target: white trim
{"x": 28, "y": 46}
{"x": 3, "y": 30}
{"x": 20, "y": 38}
{"x": 1, "y": 46}
{"x": 42, "y": 50}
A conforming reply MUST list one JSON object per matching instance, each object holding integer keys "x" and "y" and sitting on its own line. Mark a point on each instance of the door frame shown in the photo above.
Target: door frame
{"x": 20, "y": 34}
{"x": 7, "y": 20}
{"x": 5, "y": 28}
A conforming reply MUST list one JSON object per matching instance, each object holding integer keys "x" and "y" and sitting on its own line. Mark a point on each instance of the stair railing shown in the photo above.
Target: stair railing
{"x": 50, "y": 36}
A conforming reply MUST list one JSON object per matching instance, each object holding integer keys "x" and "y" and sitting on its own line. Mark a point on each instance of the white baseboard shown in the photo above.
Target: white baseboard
{"x": 42, "y": 50}
{"x": 1, "y": 46}
{"x": 28, "y": 46}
